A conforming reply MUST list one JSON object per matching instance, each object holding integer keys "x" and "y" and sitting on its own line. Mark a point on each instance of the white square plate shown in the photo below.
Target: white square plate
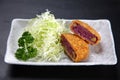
{"x": 101, "y": 54}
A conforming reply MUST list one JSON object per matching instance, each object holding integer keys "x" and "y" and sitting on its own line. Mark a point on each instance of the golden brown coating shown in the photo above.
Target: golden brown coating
{"x": 90, "y": 31}
{"x": 76, "y": 48}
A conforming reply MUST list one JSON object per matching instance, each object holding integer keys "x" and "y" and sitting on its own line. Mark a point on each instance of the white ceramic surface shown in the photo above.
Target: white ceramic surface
{"x": 101, "y": 54}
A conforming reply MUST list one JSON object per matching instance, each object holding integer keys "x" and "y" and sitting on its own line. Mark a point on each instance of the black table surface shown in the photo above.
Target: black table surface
{"x": 68, "y": 9}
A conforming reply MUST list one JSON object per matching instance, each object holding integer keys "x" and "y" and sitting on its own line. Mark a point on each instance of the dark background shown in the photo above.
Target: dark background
{"x": 68, "y": 9}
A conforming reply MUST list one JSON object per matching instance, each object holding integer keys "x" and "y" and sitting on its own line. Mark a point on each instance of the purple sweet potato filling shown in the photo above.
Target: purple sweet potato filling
{"x": 68, "y": 47}
{"x": 78, "y": 29}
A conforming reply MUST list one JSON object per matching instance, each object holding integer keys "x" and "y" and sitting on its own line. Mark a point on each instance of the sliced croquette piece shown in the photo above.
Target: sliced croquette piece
{"x": 75, "y": 47}
{"x": 85, "y": 31}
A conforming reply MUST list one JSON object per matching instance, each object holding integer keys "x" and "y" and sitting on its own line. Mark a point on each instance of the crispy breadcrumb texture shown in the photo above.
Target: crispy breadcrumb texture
{"x": 80, "y": 47}
{"x": 89, "y": 28}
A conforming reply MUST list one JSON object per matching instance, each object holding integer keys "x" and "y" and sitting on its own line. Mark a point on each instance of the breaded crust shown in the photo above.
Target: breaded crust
{"x": 89, "y": 28}
{"x": 80, "y": 47}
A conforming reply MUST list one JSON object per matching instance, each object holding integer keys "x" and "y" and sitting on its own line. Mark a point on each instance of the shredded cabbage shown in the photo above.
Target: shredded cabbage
{"x": 46, "y": 30}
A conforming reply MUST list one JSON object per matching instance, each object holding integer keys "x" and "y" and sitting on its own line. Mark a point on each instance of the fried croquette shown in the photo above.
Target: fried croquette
{"x": 85, "y": 31}
{"x": 75, "y": 47}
